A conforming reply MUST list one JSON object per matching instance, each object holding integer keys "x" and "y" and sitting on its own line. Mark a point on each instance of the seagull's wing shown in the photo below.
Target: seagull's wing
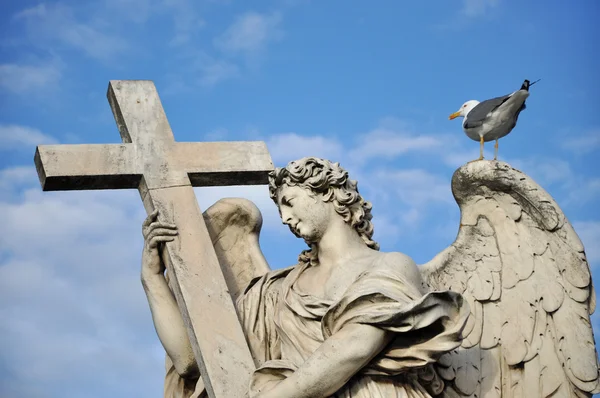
{"x": 476, "y": 117}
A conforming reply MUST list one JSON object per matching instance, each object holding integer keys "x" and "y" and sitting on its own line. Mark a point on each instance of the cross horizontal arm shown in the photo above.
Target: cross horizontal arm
{"x": 89, "y": 166}
{"x": 224, "y": 163}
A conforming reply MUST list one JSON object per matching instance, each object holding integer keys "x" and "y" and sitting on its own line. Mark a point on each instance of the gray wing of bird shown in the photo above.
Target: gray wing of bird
{"x": 478, "y": 114}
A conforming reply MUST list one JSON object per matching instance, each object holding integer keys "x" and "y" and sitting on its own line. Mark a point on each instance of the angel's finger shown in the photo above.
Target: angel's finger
{"x": 161, "y": 232}
{"x": 150, "y": 231}
{"x": 153, "y": 243}
{"x": 151, "y": 217}
{"x": 159, "y": 224}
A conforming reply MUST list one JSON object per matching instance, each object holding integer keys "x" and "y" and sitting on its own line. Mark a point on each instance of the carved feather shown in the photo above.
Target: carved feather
{"x": 520, "y": 265}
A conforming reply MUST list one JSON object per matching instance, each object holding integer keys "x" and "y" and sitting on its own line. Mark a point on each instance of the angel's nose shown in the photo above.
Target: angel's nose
{"x": 286, "y": 217}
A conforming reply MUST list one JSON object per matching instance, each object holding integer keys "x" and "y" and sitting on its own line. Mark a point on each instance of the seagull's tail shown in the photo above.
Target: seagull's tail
{"x": 526, "y": 84}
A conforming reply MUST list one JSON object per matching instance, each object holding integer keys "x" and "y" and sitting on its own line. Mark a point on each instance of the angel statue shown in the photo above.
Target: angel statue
{"x": 504, "y": 311}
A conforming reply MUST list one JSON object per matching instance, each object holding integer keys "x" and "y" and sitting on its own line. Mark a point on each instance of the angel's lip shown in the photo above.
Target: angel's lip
{"x": 294, "y": 227}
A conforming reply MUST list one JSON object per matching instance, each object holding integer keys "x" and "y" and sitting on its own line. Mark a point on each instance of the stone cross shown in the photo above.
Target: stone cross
{"x": 164, "y": 171}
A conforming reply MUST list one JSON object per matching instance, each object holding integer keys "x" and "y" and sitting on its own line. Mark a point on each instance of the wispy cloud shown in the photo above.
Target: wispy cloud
{"x": 401, "y": 194}
{"x": 582, "y": 144}
{"x": 56, "y": 24}
{"x": 186, "y": 20}
{"x": 70, "y": 291}
{"x": 415, "y": 187}
{"x": 291, "y": 146}
{"x": 250, "y": 33}
{"x": 13, "y": 180}
{"x": 23, "y": 79}
{"x": 583, "y": 190}
{"x": 394, "y": 138}
{"x": 545, "y": 170}
{"x": 589, "y": 233}
{"x": 574, "y": 188}
{"x": 389, "y": 144}
{"x": 22, "y": 137}
{"x": 56, "y": 330}
{"x": 476, "y": 8}
{"x": 137, "y": 11}
{"x": 470, "y": 12}
{"x": 215, "y": 71}
{"x": 241, "y": 45}
{"x": 197, "y": 68}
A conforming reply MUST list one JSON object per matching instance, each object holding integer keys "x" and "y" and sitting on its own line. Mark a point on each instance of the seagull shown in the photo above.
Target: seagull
{"x": 494, "y": 118}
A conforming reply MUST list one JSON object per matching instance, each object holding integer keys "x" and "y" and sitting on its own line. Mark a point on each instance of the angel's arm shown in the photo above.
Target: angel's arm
{"x": 330, "y": 367}
{"x": 169, "y": 325}
{"x": 167, "y": 319}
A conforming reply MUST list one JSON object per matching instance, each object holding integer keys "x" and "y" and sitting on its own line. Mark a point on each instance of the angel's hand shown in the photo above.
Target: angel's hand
{"x": 155, "y": 233}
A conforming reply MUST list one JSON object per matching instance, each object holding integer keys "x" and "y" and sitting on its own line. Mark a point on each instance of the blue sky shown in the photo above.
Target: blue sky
{"x": 369, "y": 84}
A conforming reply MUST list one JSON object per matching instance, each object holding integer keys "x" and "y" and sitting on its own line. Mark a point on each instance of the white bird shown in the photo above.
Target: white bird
{"x": 494, "y": 118}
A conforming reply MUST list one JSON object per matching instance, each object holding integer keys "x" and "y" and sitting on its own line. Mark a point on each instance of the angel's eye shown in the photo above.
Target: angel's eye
{"x": 286, "y": 202}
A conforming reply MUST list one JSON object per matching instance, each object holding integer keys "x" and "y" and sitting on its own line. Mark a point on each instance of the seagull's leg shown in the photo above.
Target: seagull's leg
{"x": 496, "y": 150}
{"x": 480, "y": 148}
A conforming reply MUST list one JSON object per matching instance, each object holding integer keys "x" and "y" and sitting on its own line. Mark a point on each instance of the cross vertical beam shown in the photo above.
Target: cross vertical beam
{"x": 164, "y": 171}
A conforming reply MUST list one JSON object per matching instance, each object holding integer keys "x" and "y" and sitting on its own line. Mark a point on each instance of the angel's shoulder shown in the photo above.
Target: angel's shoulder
{"x": 269, "y": 282}
{"x": 402, "y": 264}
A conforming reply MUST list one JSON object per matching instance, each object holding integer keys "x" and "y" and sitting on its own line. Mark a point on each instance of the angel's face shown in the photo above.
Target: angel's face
{"x": 304, "y": 212}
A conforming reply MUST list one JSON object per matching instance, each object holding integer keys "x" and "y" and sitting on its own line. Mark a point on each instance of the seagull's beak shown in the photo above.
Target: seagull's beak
{"x": 454, "y": 115}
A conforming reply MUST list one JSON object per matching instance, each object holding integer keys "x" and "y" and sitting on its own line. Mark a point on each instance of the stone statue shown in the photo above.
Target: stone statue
{"x": 504, "y": 311}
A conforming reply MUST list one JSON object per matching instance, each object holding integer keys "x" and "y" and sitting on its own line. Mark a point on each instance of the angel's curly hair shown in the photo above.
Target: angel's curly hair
{"x": 330, "y": 180}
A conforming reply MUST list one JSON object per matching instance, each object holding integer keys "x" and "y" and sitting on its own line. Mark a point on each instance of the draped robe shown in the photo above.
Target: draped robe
{"x": 284, "y": 326}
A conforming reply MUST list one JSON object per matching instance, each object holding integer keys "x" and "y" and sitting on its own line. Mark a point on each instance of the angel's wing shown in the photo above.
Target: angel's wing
{"x": 523, "y": 270}
{"x": 234, "y": 226}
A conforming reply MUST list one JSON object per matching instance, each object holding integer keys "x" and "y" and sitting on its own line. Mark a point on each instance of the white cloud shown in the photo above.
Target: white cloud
{"x": 186, "y": 21}
{"x": 250, "y": 33}
{"x": 70, "y": 296}
{"x": 557, "y": 176}
{"x": 216, "y": 71}
{"x": 576, "y": 188}
{"x": 582, "y": 144}
{"x": 291, "y": 146}
{"x": 192, "y": 68}
{"x": 389, "y": 144}
{"x": 476, "y": 8}
{"x": 22, "y": 137}
{"x": 583, "y": 190}
{"x": 70, "y": 293}
{"x": 398, "y": 195}
{"x": 589, "y": 233}
{"x": 23, "y": 79}
{"x": 218, "y": 134}
{"x": 12, "y": 180}
{"x": 545, "y": 171}
{"x": 138, "y": 11}
{"x": 56, "y": 23}
{"x": 415, "y": 187}
{"x": 394, "y": 138}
